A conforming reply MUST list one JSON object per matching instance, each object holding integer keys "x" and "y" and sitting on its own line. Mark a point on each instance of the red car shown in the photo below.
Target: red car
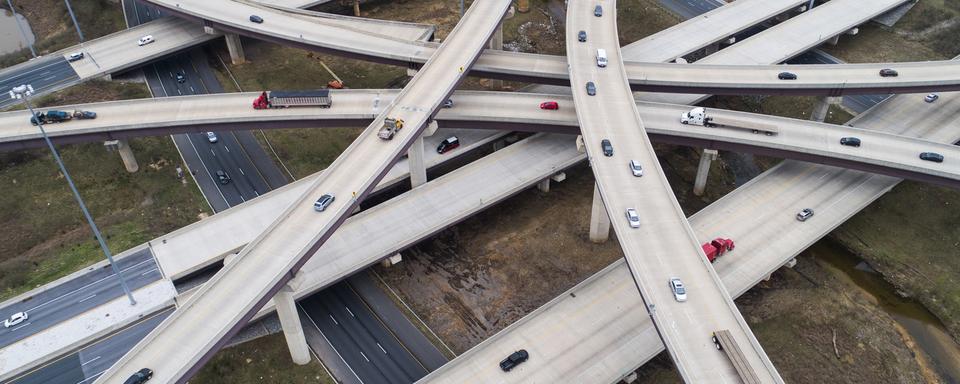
{"x": 549, "y": 105}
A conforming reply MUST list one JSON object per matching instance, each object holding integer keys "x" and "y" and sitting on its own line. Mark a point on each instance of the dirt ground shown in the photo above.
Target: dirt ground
{"x": 265, "y": 360}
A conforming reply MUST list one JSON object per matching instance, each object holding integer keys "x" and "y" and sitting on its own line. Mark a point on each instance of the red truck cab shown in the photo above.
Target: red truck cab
{"x": 261, "y": 102}
{"x": 717, "y": 248}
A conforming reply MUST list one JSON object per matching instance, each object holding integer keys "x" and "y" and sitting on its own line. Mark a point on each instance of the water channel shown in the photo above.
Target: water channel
{"x": 10, "y": 38}
{"x": 926, "y": 330}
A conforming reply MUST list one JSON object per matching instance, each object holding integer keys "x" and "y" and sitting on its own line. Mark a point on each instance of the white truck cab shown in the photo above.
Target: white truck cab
{"x": 601, "y": 57}
{"x": 694, "y": 116}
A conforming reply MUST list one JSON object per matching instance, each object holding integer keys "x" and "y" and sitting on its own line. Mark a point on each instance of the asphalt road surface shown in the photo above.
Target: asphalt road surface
{"x": 85, "y": 365}
{"x": 42, "y": 73}
{"x": 78, "y": 295}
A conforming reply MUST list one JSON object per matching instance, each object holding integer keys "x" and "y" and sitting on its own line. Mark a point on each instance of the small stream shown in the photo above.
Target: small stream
{"x": 10, "y": 38}
{"x": 927, "y": 331}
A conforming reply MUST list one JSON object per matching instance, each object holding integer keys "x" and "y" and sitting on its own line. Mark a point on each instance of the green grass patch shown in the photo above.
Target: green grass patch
{"x": 262, "y": 360}
{"x": 637, "y": 19}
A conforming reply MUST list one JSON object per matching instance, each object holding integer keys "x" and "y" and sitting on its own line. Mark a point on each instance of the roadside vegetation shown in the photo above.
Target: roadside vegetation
{"x": 45, "y": 235}
{"x": 53, "y": 28}
{"x": 262, "y": 360}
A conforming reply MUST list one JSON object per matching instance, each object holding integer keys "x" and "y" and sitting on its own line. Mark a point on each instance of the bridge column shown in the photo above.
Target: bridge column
{"x": 126, "y": 154}
{"x": 496, "y": 42}
{"x": 544, "y": 185}
{"x": 418, "y": 169}
{"x": 235, "y": 48}
{"x": 292, "y": 329}
{"x": 834, "y": 40}
{"x": 822, "y": 106}
{"x": 703, "y": 170}
{"x": 599, "y": 220}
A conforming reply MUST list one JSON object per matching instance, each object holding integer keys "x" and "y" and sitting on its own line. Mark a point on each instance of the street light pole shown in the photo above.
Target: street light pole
{"x": 74, "y": 18}
{"x": 20, "y": 27}
{"x": 24, "y": 92}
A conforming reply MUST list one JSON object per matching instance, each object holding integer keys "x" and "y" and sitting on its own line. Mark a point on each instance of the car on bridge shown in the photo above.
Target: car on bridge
{"x": 931, "y": 97}
{"x": 805, "y": 214}
{"x": 607, "y": 147}
{"x": 598, "y": 11}
{"x": 932, "y": 156}
{"x": 75, "y": 56}
{"x": 256, "y": 19}
{"x": 140, "y": 377}
{"x": 551, "y": 105}
{"x": 591, "y": 88}
{"x": 787, "y": 76}
{"x": 635, "y": 168}
{"x": 323, "y": 202}
{"x": 145, "y": 40}
{"x": 633, "y": 218}
{"x": 887, "y": 72}
{"x": 582, "y": 36}
{"x": 679, "y": 290}
{"x": 514, "y": 360}
{"x": 850, "y": 141}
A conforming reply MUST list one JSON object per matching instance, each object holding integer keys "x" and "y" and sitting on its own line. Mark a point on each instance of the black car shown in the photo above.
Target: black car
{"x": 223, "y": 177}
{"x": 591, "y": 88}
{"x": 598, "y": 11}
{"x": 850, "y": 141}
{"x": 448, "y": 144}
{"x": 932, "y": 156}
{"x": 607, "y": 147}
{"x": 887, "y": 72}
{"x": 448, "y": 103}
{"x": 514, "y": 360}
{"x": 256, "y": 19}
{"x": 787, "y": 76}
{"x": 582, "y": 36}
{"x": 181, "y": 77}
{"x": 140, "y": 377}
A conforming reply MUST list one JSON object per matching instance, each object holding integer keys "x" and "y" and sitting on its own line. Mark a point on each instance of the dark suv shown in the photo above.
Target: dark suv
{"x": 850, "y": 141}
{"x": 514, "y": 360}
{"x": 887, "y": 72}
{"x": 787, "y": 76}
{"x": 932, "y": 156}
{"x": 140, "y": 377}
{"x": 591, "y": 88}
{"x": 223, "y": 177}
{"x": 582, "y": 36}
{"x": 607, "y": 147}
{"x": 448, "y": 144}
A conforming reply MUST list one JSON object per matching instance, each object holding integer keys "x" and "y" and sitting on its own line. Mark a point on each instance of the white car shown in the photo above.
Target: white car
{"x": 75, "y": 56}
{"x": 145, "y": 40}
{"x": 679, "y": 291}
{"x": 931, "y": 97}
{"x": 636, "y": 168}
{"x": 212, "y": 137}
{"x": 15, "y": 319}
{"x": 633, "y": 218}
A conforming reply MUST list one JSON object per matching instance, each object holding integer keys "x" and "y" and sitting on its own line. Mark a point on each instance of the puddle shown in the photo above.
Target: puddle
{"x": 10, "y": 38}
{"x": 926, "y": 330}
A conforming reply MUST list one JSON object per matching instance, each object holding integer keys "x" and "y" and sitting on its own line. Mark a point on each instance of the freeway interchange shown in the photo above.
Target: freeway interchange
{"x": 614, "y": 213}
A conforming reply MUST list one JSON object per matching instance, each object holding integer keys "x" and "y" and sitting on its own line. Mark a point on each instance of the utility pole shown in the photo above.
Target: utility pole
{"x": 24, "y": 92}
{"x": 461, "y": 9}
{"x": 20, "y": 27}
{"x": 74, "y": 18}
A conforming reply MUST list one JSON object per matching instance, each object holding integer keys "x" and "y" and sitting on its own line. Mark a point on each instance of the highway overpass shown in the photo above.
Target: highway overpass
{"x": 193, "y": 333}
{"x": 660, "y": 245}
{"x": 833, "y": 80}
{"x": 797, "y": 139}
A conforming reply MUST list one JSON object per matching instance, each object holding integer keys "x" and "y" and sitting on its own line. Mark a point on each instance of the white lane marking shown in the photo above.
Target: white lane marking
{"x": 241, "y": 171}
{"x": 91, "y": 360}
{"x": 334, "y": 320}
{"x": 364, "y": 356}
{"x": 92, "y": 377}
{"x": 226, "y": 148}
{"x": 381, "y": 348}
{"x": 87, "y": 298}
{"x": 20, "y": 327}
{"x": 213, "y": 153}
{"x": 350, "y": 312}
{"x": 150, "y": 259}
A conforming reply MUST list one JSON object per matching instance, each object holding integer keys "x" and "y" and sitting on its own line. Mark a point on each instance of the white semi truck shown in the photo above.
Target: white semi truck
{"x": 698, "y": 116}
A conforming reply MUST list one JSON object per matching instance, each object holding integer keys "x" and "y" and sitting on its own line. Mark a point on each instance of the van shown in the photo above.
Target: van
{"x": 601, "y": 57}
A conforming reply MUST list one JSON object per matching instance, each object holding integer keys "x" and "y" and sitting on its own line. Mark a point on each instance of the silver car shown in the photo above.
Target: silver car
{"x": 633, "y": 218}
{"x": 679, "y": 291}
{"x": 636, "y": 168}
{"x": 212, "y": 137}
{"x": 805, "y": 214}
{"x": 323, "y": 202}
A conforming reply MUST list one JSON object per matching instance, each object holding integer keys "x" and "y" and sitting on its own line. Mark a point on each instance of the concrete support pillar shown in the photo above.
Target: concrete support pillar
{"x": 770, "y": 276}
{"x": 599, "y": 220}
{"x": 411, "y": 72}
{"x": 391, "y": 261}
{"x": 292, "y": 329}
{"x": 834, "y": 40}
{"x": 235, "y": 48}
{"x": 822, "y": 106}
{"x": 703, "y": 170}
{"x": 418, "y": 171}
{"x": 544, "y": 185}
{"x": 356, "y": 8}
{"x": 126, "y": 154}
{"x": 712, "y": 48}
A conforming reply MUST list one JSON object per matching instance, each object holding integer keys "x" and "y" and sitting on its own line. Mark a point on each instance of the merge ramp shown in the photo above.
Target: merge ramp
{"x": 663, "y": 245}
{"x": 797, "y": 139}
{"x": 193, "y": 333}
{"x": 711, "y": 27}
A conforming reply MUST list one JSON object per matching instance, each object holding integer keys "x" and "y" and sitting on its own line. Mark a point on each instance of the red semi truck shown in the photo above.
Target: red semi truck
{"x": 717, "y": 248}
